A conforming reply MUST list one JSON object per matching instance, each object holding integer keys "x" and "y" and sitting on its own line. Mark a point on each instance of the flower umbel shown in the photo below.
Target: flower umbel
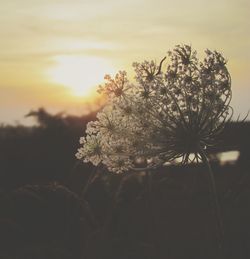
{"x": 164, "y": 115}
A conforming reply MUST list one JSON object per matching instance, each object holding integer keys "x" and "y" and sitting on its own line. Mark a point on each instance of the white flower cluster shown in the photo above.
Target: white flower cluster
{"x": 164, "y": 115}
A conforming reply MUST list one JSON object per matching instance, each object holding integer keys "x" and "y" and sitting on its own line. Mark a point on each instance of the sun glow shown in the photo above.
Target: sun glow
{"x": 80, "y": 74}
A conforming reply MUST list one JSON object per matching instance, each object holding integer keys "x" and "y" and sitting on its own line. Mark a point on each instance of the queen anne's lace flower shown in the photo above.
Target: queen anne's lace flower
{"x": 91, "y": 150}
{"x": 117, "y": 87}
{"x": 164, "y": 116}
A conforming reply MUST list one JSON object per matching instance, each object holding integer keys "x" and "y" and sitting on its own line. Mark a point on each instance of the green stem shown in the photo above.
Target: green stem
{"x": 153, "y": 225}
{"x": 89, "y": 181}
{"x": 216, "y": 205}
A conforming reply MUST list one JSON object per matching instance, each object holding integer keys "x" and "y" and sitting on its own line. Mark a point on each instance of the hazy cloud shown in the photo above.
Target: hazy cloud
{"x": 33, "y": 32}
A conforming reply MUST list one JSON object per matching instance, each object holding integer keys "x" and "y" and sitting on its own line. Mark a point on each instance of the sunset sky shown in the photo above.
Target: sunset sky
{"x": 54, "y": 52}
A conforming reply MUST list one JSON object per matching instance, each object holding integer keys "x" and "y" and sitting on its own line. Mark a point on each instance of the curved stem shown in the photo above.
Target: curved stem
{"x": 153, "y": 225}
{"x": 216, "y": 205}
{"x": 89, "y": 181}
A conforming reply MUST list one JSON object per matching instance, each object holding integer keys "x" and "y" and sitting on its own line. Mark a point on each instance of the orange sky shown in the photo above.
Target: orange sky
{"x": 54, "y": 52}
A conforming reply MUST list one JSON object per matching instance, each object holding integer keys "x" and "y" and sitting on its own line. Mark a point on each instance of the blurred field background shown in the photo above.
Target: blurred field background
{"x": 183, "y": 222}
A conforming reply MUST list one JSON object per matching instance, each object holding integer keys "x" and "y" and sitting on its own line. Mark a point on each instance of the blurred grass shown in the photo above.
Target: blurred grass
{"x": 185, "y": 227}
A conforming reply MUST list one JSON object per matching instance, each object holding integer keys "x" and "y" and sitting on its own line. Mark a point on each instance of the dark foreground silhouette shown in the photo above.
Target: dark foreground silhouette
{"x": 50, "y": 209}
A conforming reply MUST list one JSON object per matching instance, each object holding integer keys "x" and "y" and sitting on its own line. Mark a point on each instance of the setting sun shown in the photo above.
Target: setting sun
{"x": 81, "y": 74}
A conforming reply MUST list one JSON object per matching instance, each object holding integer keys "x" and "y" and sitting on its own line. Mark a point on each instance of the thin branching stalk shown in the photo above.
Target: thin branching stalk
{"x": 150, "y": 204}
{"x": 216, "y": 205}
{"x": 89, "y": 181}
